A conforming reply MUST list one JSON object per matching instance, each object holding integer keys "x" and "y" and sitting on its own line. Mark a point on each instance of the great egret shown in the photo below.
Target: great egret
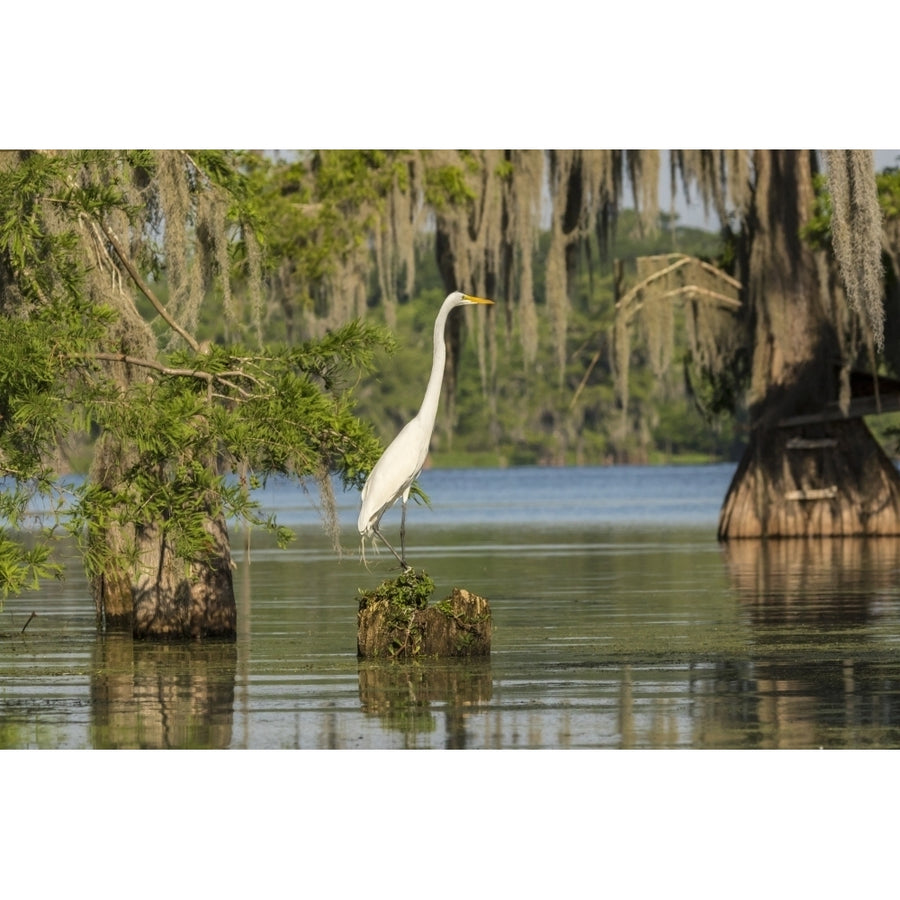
{"x": 399, "y": 465}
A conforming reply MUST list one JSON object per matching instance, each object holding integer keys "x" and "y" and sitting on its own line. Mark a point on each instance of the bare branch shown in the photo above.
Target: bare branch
{"x": 718, "y": 273}
{"x": 688, "y": 290}
{"x": 210, "y": 378}
{"x": 682, "y": 261}
{"x": 594, "y": 360}
{"x": 145, "y": 288}
{"x": 152, "y": 364}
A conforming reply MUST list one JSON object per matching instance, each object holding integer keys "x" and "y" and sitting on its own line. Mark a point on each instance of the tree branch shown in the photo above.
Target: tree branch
{"x": 208, "y": 377}
{"x": 687, "y": 291}
{"x": 145, "y": 289}
{"x": 151, "y": 364}
{"x": 625, "y": 303}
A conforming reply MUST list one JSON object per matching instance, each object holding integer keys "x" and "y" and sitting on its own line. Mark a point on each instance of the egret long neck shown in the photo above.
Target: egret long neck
{"x": 428, "y": 410}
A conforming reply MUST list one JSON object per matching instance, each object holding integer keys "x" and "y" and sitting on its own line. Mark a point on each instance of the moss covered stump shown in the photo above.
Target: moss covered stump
{"x": 395, "y": 621}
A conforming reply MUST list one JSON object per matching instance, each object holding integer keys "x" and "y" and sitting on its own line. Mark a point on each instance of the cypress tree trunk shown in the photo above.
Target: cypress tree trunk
{"x": 811, "y": 479}
{"x": 830, "y": 479}
{"x": 147, "y": 589}
{"x": 174, "y": 599}
{"x": 159, "y": 597}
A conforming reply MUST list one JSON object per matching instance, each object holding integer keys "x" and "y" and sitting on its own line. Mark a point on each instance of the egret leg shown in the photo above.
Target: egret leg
{"x": 387, "y": 544}
{"x": 403, "y": 534}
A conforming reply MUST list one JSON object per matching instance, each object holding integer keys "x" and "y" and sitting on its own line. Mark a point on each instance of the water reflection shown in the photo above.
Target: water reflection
{"x": 162, "y": 696}
{"x": 824, "y": 641}
{"x": 813, "y": 582}
{"x": 406, "y": 696}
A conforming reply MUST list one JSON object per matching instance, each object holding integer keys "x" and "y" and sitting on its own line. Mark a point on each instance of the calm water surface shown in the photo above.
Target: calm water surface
{"x": 619, "y": 621}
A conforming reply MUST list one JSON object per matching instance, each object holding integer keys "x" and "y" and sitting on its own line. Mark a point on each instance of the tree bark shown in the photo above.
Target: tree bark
{"x": 795, "y": 342}
{"x": 160, "y": 597}
{"x": 831, "y": 479}
{"x": 820, "y": 479}
{"x": 173, "y": 599}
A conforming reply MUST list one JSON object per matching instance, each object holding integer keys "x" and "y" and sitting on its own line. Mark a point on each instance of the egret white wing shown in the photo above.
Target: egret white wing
{"x": 392, "y": 476}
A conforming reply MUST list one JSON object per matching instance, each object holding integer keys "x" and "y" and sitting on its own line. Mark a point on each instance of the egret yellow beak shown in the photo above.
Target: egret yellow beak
{"x": 472, "y": 299}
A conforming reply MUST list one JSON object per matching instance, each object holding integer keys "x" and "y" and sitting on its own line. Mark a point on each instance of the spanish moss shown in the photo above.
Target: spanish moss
{"x": 856, "y": 233}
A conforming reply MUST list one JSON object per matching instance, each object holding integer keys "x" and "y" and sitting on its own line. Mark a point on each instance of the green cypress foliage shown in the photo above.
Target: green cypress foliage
{"x": 105, "y": 258}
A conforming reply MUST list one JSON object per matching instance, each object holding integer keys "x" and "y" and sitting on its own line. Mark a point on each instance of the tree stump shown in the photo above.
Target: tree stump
{"x": 395, "y": 621}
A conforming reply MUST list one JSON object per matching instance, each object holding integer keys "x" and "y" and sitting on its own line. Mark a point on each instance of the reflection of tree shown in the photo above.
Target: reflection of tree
{"x": 817, "y": 677}
{"x": 162, "y": 696}
{"x": 816, "y": 581}
{"x": 799, "y": 704}
{"x": 406, "y": 695}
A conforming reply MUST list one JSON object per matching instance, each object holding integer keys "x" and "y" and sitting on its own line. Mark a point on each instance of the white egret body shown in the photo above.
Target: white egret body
{"x": 399, "y": 465}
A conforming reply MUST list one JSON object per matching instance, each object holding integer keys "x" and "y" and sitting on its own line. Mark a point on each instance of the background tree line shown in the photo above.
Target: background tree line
{"x": 547, "y": 234}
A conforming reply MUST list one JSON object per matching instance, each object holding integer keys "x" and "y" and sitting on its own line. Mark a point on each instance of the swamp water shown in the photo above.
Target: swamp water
{"x": 619, "y": 622}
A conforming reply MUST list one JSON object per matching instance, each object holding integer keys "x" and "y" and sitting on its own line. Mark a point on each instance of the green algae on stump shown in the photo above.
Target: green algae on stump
{"x": 395, "y": 622}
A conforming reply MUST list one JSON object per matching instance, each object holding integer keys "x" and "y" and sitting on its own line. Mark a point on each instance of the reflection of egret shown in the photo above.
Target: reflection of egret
{"x": 400, "y": 464}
